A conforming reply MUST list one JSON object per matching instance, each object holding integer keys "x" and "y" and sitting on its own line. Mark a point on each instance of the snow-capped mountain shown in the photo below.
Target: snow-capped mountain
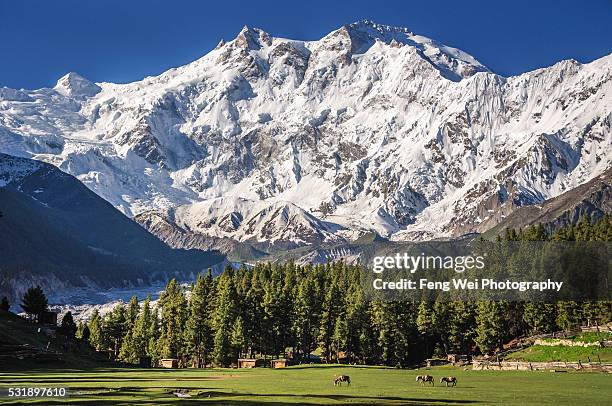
{"x": 279, "y": 141}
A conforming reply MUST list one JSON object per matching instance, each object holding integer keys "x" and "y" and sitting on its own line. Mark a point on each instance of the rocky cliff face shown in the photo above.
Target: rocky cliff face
{"x": 283, "y": 143}
{"x": 591, "y": 200}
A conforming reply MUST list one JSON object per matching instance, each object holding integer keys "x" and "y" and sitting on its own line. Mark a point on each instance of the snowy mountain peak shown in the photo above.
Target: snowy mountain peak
{"x": 75, "y": 85}
{"x": 220, "y": 43}
{"x": 381, "y": 31}
{"x": 371, "y": 128}
{"x": 252, "y": 38}
{"x": 360, "y": 36}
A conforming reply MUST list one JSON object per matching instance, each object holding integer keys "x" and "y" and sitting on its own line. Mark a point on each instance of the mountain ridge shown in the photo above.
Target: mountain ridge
{"x": 371, "y": 128}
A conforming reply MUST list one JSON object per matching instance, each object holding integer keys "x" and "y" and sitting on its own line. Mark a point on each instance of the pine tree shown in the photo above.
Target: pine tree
{"x": 595, "y": 312}
{"x": 68, "y": 327}
{"x": 402, "y": 330}
{"x": 462, "y": 327}
{"x": 224, "y": 316}
{"x": 490, "y": 326}
{"x": 539, "y": 317}
{"x": 568, "y": 314}
{"x": 355, "y": 322}
{"x": 141, "y": 334}
{"x": 332, "y": 310}
{"x": 79, "y": 330}
{"x": 440, "y": 320}
{"x": 306, "y": 310}
{"x": 126, "y": 353}
{"x": 515, "y": 321}
{"x": 114, "y": 325}
{"x": 85, "y": 333}
{"x": 252, "y": 312}
{"x": 153, "y": 334}
{"x": 172, "y": 325}
{"x": 288, "y": 292}
{"x": 34, "y": 302}
{"x": 339, "y": 338}
{"x": 198, "y": 330}
{"x": 132, "y": 312}
{"x": 4, "y": 304}
{"x": 96, "y": 332}
{"x": 384, "y": 322}
{"x": 271, "y": 321}
{"x": 425, "y": 327}
{"x": 237, "y": 337}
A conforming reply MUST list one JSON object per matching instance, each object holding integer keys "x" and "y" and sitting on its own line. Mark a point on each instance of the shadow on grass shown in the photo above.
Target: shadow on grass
{"x": 137, "y": 395}
{"x": 79, "y": 379}
{"x": 339, "y": 366}
{"x": 60, "y": 370}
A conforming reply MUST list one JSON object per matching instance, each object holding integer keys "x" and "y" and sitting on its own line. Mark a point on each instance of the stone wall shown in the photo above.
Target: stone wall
{"x": 536, "y": 366}
{"x": 565, "y": 342}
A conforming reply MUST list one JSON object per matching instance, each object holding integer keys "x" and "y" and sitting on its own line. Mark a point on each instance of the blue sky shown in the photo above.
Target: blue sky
{"x": 122, "y": 41}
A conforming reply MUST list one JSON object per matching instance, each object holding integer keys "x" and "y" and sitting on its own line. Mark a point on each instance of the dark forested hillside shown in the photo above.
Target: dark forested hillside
{"x": 53, "y": 227}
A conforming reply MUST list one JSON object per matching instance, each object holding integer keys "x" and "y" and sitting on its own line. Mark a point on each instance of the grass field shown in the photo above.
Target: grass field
{"x": 587, "y": 337}
{"x": 311, "y": 385}
{"x": 544, "y": 353}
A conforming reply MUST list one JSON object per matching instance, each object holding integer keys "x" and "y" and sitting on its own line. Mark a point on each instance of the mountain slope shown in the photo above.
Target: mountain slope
{"x": 591, "y": 200}
{"x": 56, "y": 232}
{"x": 371, "y": 128}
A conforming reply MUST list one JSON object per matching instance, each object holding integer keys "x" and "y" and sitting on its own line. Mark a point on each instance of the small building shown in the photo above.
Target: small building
{"x": 47, "y": 317}
{"x": 433, "y": 362}
{"x": 169, "y": 363}
{"x": 250, "y": 363}
{"x": 459, "y": 358}
{"x": 280, "y": 363}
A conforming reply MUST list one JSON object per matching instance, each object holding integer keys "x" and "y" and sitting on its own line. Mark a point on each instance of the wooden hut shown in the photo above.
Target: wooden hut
{"x": 250, "y": 363}
{"x": 169, "y": 363}
{"x": 458, "y": 358}
{"x": 47, "y": 317}
{"x": 434, "y": 362}
{"x": 280, "y": 363}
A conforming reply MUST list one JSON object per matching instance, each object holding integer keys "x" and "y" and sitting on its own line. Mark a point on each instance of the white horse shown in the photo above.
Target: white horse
{"x": 425, "y": 378}
{"x": 342, "y": 378}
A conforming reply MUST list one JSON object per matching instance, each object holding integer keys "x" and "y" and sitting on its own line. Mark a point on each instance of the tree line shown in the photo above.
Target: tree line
{"x": 272, "y": 310}
{"x": 285, "y": 309}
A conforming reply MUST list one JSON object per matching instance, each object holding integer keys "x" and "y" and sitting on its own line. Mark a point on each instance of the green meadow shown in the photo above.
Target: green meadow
{"x": 311, "y": 385}
{"x": 541, "y": 353}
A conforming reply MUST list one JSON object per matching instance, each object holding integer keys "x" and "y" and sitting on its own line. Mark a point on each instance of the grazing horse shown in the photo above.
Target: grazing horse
{"x": 342, "y": 378}
{"x": 425, "y": 378}
{"x": 449, "y": 379}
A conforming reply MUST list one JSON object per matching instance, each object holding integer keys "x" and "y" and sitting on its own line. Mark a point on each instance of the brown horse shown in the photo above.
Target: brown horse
{"x": 342, "y": 378}
{"x": 449, "y": 379}
{"x": 425, "y": 378}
